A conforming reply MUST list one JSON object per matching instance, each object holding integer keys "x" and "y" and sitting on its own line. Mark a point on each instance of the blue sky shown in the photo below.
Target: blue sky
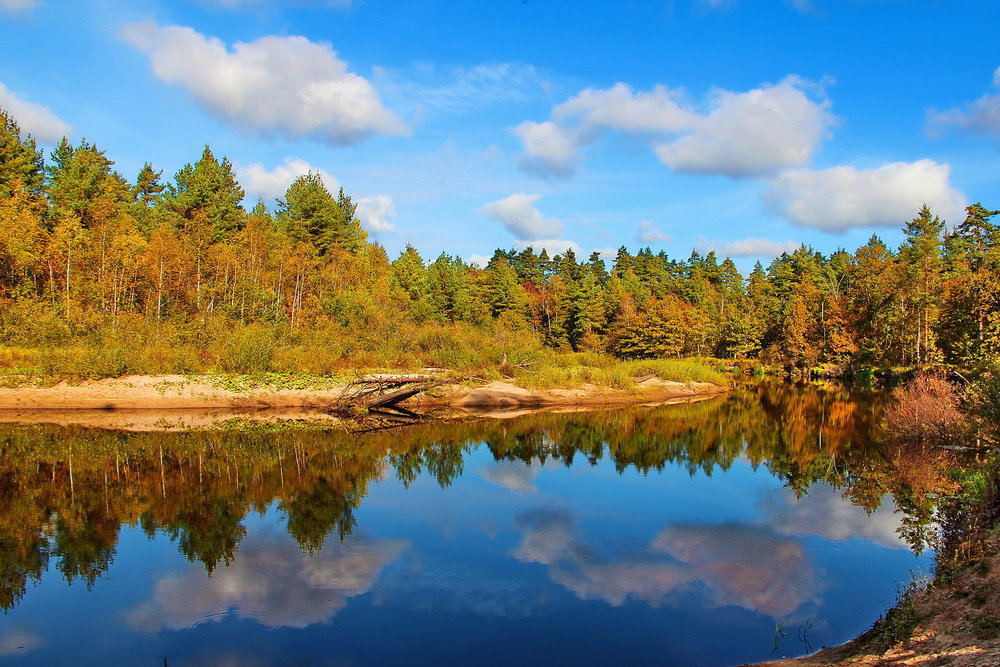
{"x": 745, "y": 126}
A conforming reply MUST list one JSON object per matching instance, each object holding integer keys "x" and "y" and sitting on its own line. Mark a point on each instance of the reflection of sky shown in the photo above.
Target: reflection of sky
{"x": 271, "y": 580}
{"x": 825, "y": 512}
{"x": 734, "y": 564}
{"x": 512, "y": 475}
{"x": 665, "y": 562}
{"x": 18, "y": 639}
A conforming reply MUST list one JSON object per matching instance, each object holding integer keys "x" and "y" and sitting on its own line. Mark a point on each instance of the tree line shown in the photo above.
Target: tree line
{"x": 83, "y": 249}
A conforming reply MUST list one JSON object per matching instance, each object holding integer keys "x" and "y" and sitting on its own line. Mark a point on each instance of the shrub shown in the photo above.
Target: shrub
{"x": 926, "y": 410}
{"x": 249, "y": 350}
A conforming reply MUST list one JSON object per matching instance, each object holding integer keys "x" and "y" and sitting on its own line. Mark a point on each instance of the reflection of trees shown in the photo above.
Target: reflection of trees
{"x": 64, "y": 492}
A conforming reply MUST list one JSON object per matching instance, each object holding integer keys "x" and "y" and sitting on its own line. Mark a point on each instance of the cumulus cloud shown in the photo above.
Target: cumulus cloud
{"x": 518, "y": 214}
{"x": 752, "y": 134}
{"x": 839, "y": 198}
{"x": 34, "y": 119}
{"x": 621, "y": 108}
{"x": 374, "y": 213}
{"x": 549, "y": 150}
{"x": 271, "y": 580}
{"x": 649, "y": 233}
{"x": 18, "y": 640}
{"x": 983, "y": 115}
{"x": 286, "y": 86}
{"x": 736, "y": 134}
{"x": 842, "y": 519}
{"x": 259, "y": 181}
{"x": 752, "y": 247}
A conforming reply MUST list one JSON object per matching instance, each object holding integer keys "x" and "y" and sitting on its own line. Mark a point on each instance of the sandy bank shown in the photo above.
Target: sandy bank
{"x": 958, "y": 623}
{"x": 153, "y": 400}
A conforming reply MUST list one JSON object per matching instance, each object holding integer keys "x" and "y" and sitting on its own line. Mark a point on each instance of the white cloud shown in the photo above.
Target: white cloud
{"x": 549, "y": 150}
{"x": 34, "y": 119}
{"x": 374, "y": 213}
{"x": 621, "y": 108}
{"x": 518, "y": 214}
{"x": 754, "y": 133}
{"x": 286, "y": 86}
{"x": 649, "y": 233}
{"x": 271, "y": 580}
{"x": 551, "y": 246}
{"x": 752, "y": 247}
{"x": 17, "y": 6}
{"x": 479, "y": 261}
{"x": 983, "y": 115}
{"x": 840, "y": 198}
{"x": 738, "y": 134}
{"x": 272, "y": 184}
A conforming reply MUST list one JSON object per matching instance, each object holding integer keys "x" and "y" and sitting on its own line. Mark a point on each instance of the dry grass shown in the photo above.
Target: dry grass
{"x": 927, "y": 410}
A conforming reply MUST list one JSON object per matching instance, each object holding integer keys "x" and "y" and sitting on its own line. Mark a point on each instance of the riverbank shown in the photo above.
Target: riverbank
{"x": 222, "y": 397}
{"x": 956, "y": 622}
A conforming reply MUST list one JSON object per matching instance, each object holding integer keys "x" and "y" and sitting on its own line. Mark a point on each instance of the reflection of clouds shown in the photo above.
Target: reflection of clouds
{"x": 514, "y": 476}
{"x": 744, "y": 566}
{"x": 19, "y": 639}
{"x": 733, "y": 564}
{"x": 547, "y": 536}
{"x": 616, "y": 582}
{"x": 826, "y": 513}
{"x": 272, "y": 580}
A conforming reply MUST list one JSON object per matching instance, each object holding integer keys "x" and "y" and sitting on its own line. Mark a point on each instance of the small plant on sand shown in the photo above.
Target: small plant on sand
{"x": 901, "y": 620}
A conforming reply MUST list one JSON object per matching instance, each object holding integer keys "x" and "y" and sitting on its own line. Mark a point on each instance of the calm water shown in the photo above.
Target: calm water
{"x": 758, "y": 525}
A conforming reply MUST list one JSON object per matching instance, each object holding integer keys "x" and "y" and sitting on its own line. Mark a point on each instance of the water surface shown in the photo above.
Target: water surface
{"x": 760, "y": 524}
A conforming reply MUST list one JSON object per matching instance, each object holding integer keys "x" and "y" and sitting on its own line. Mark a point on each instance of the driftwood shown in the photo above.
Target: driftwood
{"x": 386, "y": 391}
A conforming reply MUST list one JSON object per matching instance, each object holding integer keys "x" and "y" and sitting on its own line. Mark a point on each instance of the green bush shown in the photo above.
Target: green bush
{"x": 250, "y": 350}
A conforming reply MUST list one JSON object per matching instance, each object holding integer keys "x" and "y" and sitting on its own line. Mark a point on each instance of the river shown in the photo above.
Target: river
{"x": 764, "y": 523}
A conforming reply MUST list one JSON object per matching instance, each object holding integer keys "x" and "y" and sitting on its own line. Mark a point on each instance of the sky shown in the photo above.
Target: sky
{"x": 741, "y": 126}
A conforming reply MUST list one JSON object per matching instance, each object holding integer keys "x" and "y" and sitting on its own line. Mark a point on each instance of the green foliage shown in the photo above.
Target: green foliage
{"x": 20, "y": 160}
{"x": 901, "y": 620}
{"x": 308, "y": 213}
{"x": 250, "y": 350}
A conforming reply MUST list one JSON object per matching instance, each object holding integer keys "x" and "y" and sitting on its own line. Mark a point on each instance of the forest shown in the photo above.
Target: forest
{"x": 93, "y": 263}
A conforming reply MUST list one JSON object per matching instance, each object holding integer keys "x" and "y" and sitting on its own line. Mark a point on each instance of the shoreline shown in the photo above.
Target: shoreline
{"x": 169, "y": 402}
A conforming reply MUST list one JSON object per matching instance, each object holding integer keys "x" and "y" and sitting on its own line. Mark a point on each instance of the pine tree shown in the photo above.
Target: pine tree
{"x": 208, "y": 187}
{"x": 20, "y": 159}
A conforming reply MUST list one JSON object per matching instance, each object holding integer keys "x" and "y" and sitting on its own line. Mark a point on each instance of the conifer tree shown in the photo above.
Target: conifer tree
{"x": 208, "y": 187}
{"x": 20, "y": 159}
